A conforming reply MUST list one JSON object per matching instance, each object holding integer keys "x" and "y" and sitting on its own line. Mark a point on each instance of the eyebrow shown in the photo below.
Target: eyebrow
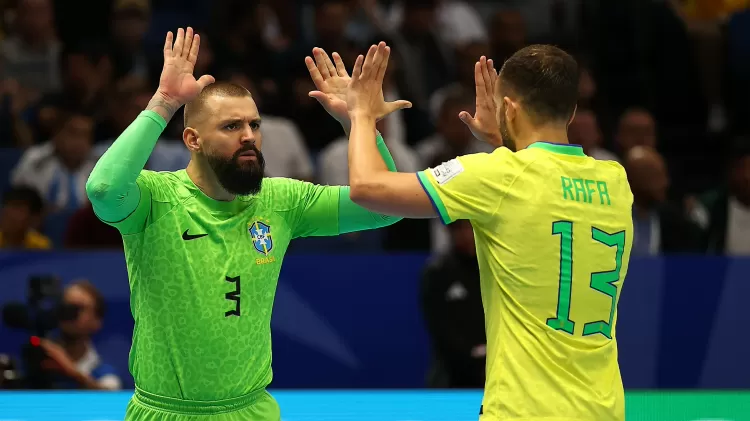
{"x": 238, "y": 120}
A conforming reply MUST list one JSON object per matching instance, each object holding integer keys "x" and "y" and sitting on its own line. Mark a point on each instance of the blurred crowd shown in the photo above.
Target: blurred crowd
{"x": 662, "y": 90}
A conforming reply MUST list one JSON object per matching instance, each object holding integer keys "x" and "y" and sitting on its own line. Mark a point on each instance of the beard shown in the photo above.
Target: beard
{"x": 508, "y": 140}
{"x": 241, "y": 178}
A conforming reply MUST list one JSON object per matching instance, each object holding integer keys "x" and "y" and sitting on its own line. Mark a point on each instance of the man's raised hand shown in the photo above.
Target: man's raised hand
{"x": 484, "y": 123}
{"x": 333, "y": 83}
{"x": 177, "y": 85}
{"x": 365, "y": 94}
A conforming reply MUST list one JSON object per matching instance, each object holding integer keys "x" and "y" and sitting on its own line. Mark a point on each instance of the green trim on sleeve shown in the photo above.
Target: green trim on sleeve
{"x": 434, "y": 196}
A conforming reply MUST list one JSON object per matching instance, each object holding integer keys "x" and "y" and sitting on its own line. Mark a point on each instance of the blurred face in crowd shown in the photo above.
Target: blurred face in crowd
{"x": 73, "y": 141}
{"x": 229, "y": 137}
{"x": 330, "y": 20}
{"x": 453, "y": 130}
{"x": 466, "y": 56}
{"x": 648, "y": 175}
{"x": 16, "y": 218}
{"x": 507, "y": 33}
{"x": 636, "y": 128}
{"x": 419, "y": 17}
{"x": 35, "y": 19}
{"x": 129, "y": 27}
{"x": 87, "y": 321}
{"x": 584, "y": 130}
{"x": 205, "y": 58}
{"x": 80, "y": 73}
{"x": 740, "y": 180}
{"x": 586, "y": 85}
{"x": 462, "y": 235}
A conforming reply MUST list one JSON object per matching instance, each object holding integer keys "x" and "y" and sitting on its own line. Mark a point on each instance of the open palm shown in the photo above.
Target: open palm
{"x": 177, "y": 82}
{"x": 333, "y": 83}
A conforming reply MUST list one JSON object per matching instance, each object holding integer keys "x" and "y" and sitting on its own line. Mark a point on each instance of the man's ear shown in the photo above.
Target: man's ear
{"x": 572, "y": 117}
{"x": 190, "y": 138}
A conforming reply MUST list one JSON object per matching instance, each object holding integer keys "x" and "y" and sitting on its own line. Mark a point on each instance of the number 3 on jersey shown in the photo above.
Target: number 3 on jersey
{"x": 600, "y": 281}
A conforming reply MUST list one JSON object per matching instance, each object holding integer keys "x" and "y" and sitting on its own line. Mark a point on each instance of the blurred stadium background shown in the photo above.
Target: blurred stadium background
{"x": 387, "y": 325}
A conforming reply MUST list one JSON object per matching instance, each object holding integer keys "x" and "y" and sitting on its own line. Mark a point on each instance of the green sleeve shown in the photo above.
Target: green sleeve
{"x": 328, "y": 210}
{"x": 119, "y": 196}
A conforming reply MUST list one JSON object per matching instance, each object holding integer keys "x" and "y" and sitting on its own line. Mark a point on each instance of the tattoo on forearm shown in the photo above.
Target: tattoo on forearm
{"x": 162, "y": 107}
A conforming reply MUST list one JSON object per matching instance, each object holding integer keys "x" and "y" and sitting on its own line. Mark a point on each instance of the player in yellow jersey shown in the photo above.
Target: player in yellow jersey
{"x": 553, "y": 230}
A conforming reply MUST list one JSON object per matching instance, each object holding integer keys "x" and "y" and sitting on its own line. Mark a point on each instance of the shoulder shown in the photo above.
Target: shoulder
{"x": 38, "y": 153}
{"x": 282, "y": 194}
{"x": 164, "y": 185}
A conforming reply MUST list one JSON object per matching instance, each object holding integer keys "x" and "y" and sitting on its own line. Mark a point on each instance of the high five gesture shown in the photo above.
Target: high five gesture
{"x": 483, "y": 124}
{"x": 177, "y": 85}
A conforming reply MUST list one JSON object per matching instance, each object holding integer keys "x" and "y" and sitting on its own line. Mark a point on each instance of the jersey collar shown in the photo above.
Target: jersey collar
{"x": 561, "y": 148}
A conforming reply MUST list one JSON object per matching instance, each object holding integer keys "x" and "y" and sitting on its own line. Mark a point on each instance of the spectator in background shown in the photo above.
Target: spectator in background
{"x": 86, "y": 75}
{"x": 283, "y": 146}
{"x": 20, "y": 217}
{"x": 130, "y": 20}
{"x": 636, "y": 127}
{"x": 507, "y": 34}
{"x": 59, "y": 168}
{"x": 452, "y": 306}
{"x": 658, "y": 225}
{"x": 30, "y": 55}
{"x": 466, "y": 56}
{"x": 452, "y": 138}
{"x": 724, "y": 213}
{"x": 74, "y": 356}
{"x": 86, "y": 231}
{"x": 584, "y": 130}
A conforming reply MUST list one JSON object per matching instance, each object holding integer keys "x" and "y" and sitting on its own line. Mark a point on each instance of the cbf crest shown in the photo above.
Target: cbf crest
{"x": 260, "y": 232}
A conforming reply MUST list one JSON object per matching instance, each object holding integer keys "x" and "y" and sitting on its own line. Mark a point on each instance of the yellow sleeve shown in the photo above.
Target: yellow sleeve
{"x": 470, "y": 186}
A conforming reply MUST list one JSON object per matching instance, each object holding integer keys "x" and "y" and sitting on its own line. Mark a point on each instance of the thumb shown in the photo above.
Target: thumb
{"x": 319, "y": 96}
{"x": 466, "y": 118}
{"x": 205, "y": 80}
{"x": 397, "y": 105}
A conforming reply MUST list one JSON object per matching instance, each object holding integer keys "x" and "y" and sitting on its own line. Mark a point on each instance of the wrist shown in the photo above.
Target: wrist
{"x": 362, "y": 117}
{"x": 163, "y": 105}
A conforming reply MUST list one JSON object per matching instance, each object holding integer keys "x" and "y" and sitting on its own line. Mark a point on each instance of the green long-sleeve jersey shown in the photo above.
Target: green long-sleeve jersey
{"x": 203, "y": 272}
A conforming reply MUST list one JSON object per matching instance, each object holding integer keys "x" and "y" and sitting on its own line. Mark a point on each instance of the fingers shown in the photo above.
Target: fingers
{"x": 193, "y": 54}
{"x": 320, "y": 97}
{"x": 205, "y": 80}
{"x": 188, "y": 42}
{"x": 328, "y": 63}
{"x": 340, "y": 68}
{"x": 384, "y": 53}
{"x": 168, "y": 44}
{"x": 486, "y": 76}
{"x": 481, "y": 90}
{"x": 367, "y": 66}
{"x": 318, "y": 53}
{"x": 314, "y": 73}
{"x": 357, "y": 70}
{"x": 179, "y": 42}
{"x": 493, "y": 75}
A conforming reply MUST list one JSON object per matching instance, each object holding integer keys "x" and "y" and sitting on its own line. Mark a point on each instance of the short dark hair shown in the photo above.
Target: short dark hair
{"x": 545, "y": 78}
{"x": 457, "y": 98}
{"x": 100, "y": 305}
{"x": 226, "y": 89}
{"x": 27, "y": 195}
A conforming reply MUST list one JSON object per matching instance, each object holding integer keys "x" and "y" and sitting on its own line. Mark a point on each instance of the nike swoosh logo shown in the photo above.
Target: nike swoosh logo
{"x": 187, "y": 237}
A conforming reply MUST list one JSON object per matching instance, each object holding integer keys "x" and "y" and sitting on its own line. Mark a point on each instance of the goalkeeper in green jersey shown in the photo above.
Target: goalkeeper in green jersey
{"x": 204, "y": 245}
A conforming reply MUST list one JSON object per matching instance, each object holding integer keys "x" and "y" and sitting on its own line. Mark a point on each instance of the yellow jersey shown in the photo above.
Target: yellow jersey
{"x": 553, "y": 230}
{"x": 33, "y": 240}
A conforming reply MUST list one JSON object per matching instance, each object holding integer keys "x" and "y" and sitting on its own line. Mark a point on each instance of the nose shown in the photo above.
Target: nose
{"x": 248, "y": 136}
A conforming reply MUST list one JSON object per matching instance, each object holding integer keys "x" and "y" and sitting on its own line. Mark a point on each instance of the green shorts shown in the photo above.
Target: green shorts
{"x": 257, "y": 406}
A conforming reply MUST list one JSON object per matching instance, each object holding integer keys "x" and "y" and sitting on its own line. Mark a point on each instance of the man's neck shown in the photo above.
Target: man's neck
{"x": 76, "y": 348}
{"x": 543, "y": 134}
{"x": 205, "y": 179}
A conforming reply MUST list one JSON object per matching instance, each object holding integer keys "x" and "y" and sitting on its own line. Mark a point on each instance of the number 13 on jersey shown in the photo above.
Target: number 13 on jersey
{"x": 604, "y": 282}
